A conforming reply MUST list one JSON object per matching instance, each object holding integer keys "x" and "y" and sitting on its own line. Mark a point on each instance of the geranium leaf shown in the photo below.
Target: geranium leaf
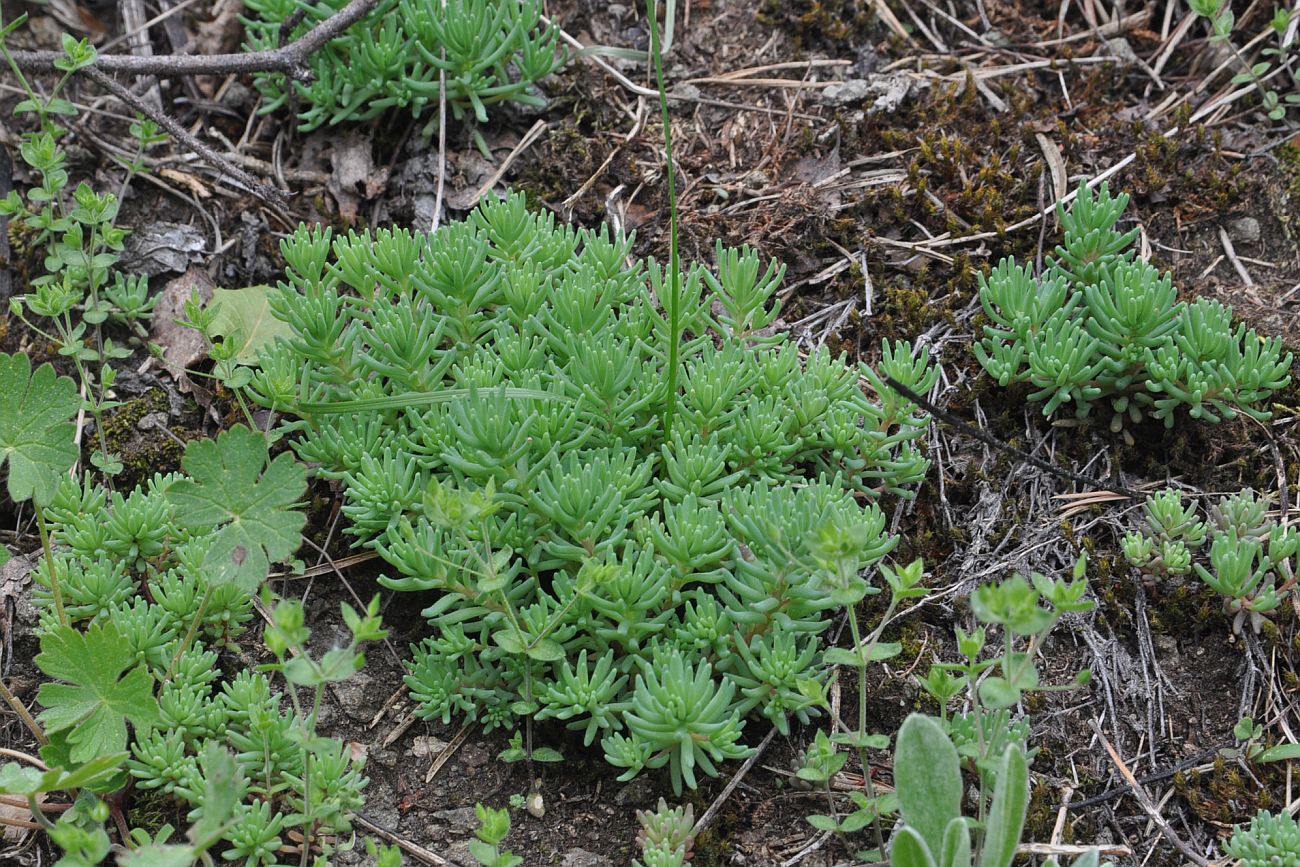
{"x": 37, "y": 436}
{"x": 249, "y": 503}
{"x": 103, "y": 689}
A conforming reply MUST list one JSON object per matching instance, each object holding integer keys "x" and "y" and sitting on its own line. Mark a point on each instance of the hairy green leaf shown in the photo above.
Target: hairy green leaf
{"x": 103, "y": 689}
{"x": 1006, "y": 817}
{"x": 37, "y": 436}
{"x": 232, "y": 490}
{"x": 928, "y": 778}
{"x": 909, "y": 850}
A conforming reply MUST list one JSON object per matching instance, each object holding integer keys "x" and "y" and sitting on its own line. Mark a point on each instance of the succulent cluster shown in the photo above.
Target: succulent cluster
{"x": 1270, "y": 841}
{"x": 1252, "y": 560}
{"x": 405, "y": 53}
{"x": 665, "y": 837}
{"x": 492, "y": 399}
{"x": 1101, "y": 324}
{"x": 136, "y": 593}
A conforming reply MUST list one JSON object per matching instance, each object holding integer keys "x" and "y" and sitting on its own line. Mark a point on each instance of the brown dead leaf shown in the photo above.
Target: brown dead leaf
{"x": 181, "y": 346}
{"x": 11, "y": 814}
{"x": 15, "y": 577}
{"x": 193, "y": 184}
{"x": 354, "y": 178}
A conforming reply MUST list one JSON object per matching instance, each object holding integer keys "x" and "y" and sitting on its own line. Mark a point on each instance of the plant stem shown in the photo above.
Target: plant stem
{"x": 38, "y": 815}
{"x": 674, "y": 277}
{"x": 55, "y": 589}
{"x": 189, "y": 634}
{"x": 23, "y": 714}
{"x": 862, "y": 725}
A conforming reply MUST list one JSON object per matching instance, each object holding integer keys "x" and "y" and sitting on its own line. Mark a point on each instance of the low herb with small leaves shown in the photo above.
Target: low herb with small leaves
{"x": 136, "y": 593}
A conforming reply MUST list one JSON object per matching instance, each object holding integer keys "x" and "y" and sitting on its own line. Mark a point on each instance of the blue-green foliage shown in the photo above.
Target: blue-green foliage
{"x": 1269, "y": 841}
{"x": 582, "y": 565}
{"x": 489, "y": 51}
{"x": 1101, "y": 324}
{"x": 1253, "y": 561}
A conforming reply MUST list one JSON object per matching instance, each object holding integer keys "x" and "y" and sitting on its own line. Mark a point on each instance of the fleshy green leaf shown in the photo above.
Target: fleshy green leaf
{"x": 928, "y": 774}
{"x": 509, "y": 642}
{"x": 159, "y": 856}
{"x": 956, "y": 845}
{"x": 878, "y": 652}
{"x": 223, "y": 788}
{"x": 245, "y": 316}
{"x": 102, "y": 691}
{"x": 998, "y": 693}
{"x": 546, "y": 650}
{"x": 37, "y": 436}
{"x": 1280, "y": 753}
{"x": 232, "y": 489}
{"x": 861, "y": 741}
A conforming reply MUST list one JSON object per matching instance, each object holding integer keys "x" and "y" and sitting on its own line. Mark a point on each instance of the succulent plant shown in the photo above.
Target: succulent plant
{"x": 1100, "y": 324}
{"x": 492, "y": 400}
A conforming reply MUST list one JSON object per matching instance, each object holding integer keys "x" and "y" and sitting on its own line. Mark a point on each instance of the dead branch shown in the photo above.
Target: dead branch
{"x": 160, "y": 117}
{"x": 1144, "y": 801}
{"x": 289, "y": 59}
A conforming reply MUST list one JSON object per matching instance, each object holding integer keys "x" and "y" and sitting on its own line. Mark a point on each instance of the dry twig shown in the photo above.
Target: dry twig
{"x": 1144, "y": 800}
{"x": 290, "y": 59}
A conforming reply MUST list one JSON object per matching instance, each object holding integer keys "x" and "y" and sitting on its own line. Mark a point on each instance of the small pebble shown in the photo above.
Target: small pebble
{"x": 1245, "y": 229}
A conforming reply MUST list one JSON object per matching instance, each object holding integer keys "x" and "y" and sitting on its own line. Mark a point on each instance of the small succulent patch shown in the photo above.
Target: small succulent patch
{"x": 1100, "y": 324}
{"x": 1270, "y": 839}
{"x": 1252, "y": 561}
{"x": 406, "y": 54}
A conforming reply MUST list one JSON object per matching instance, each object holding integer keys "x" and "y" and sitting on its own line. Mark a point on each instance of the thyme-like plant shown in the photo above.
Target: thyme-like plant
{"x": 486, "y": 51}
{"x": 1276, "y": 70}
{"x": 76, "y": 227}
{"x": 1100, "y": 324}
{"x": 1252, "y": 561}
{"x": 494, "y": 827}
{"x": 491, "y": 399}
{"x": 1026, "y": 611}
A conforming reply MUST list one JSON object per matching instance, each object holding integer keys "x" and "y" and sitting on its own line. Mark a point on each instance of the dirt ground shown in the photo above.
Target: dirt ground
{"x": 886, "y": 152}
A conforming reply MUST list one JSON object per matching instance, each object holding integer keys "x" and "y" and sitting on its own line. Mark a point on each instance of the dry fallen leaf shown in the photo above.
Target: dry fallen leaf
{"x": 13, "y": 813}
{"x": 163, "y": 247}
{"x": 181, "y": 346}
{"x": 355, "y": 178}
